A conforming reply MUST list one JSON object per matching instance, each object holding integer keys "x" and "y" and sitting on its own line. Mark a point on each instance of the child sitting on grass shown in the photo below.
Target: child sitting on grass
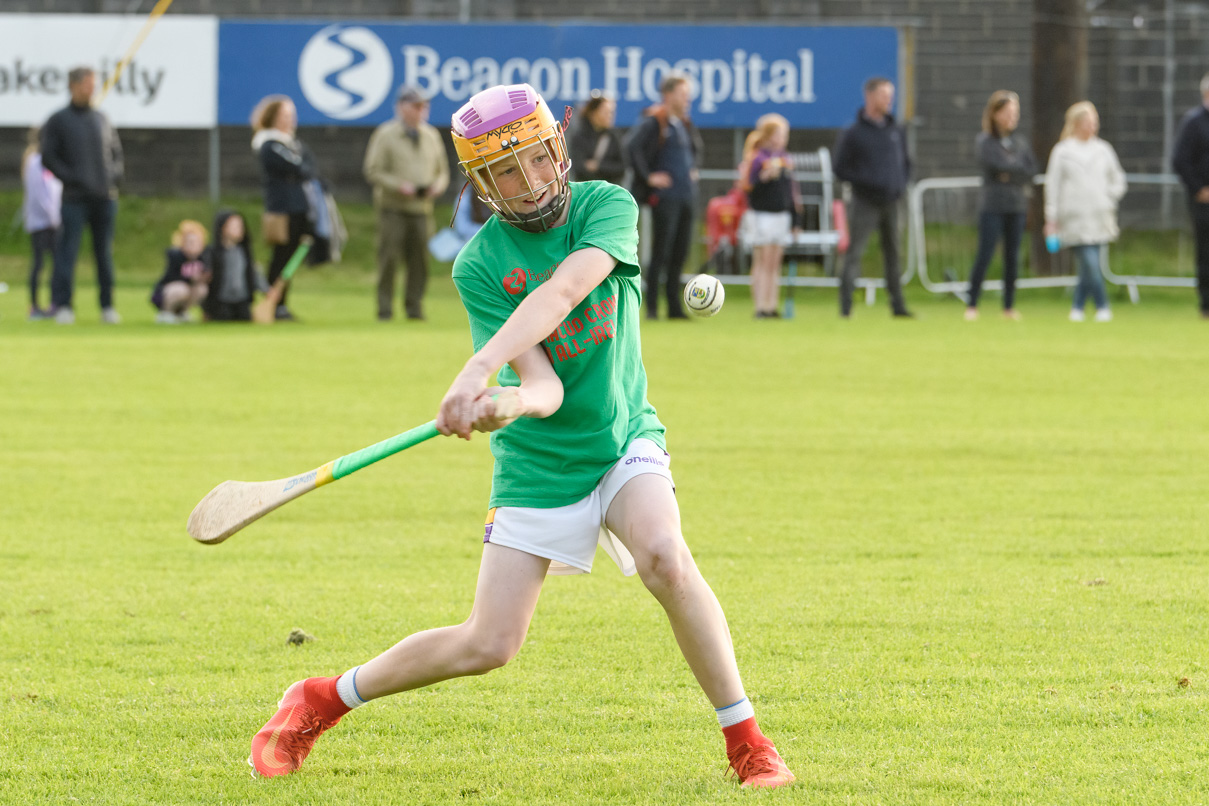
{"x": 233, "y": 275}
{"x": 186, "y": 279}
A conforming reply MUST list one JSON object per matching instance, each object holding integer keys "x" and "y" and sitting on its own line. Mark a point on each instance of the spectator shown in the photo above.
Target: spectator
{"x": 664, "y": 151}
{"x": 470, "y": 213}
{"x": 1191, "y": 161}
{"x": 233, "y": 274}
{"x": 470, "y": 216}
{"x": 42, "y": 216}
{"x": 286, "y": 165}
{"x": 1083, "y": 183}
{"x": 871, "y": 155}
{"x": 186, "y": 279}
{"x": 80, "y": 147}
{"x": 594, "y": 143}
{"x": 767, "y": 177}
{"x": 408, "y": 168}
{"x": 1008, "y": 166}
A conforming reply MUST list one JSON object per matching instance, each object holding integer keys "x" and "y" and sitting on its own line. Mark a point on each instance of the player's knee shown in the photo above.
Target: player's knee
{"x": 488, "y": 652}
{"x": 666, "y": 563}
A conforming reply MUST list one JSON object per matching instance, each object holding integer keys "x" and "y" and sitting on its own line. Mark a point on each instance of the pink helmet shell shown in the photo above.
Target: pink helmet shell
{"x": 494, "y": 107}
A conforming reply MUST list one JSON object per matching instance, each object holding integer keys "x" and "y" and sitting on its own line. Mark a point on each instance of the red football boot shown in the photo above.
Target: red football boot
{"x": 307, "y": 709}
{"x": 760, "y": 766}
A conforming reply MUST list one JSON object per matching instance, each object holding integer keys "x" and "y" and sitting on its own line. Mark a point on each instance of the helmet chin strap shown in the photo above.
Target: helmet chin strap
{"x": 536, "y": 221}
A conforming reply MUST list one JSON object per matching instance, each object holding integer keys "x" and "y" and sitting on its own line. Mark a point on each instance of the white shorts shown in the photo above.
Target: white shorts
{"x": 568, "y": 536}
{"x": 761, "y": 229}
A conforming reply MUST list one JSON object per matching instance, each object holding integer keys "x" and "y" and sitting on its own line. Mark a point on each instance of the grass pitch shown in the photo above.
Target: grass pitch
{"x": 962, "y": 562}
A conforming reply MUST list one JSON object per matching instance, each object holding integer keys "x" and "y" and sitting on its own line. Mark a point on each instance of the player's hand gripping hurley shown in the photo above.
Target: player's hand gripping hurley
{"x": 232, "y": 505}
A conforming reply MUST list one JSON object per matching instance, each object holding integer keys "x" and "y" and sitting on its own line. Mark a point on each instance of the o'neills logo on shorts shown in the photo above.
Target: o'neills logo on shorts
{"x": 514, "y": 281}
{"x": 650, "y": 460}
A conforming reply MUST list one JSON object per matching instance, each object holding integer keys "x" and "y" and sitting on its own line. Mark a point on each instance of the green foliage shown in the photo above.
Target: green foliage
{"x": 962, "y": 562}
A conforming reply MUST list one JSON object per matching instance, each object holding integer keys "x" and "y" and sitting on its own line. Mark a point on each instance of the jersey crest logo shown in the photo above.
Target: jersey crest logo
{"x": 514, "y": 281}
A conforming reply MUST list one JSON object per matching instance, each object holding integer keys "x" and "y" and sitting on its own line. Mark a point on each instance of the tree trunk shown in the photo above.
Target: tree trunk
{"x": 1059, "y": 80}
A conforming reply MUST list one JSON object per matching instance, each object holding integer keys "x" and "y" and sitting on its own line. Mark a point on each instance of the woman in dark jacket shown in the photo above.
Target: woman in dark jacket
{"x": 286, "y": 165}
{"x": 1008, "y": 166}
{"x": 233, "y": 278}
{"x": 594, "y": 144}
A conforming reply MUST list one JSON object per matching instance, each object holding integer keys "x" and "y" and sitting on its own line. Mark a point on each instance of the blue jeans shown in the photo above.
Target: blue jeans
{"x": 99, "y": 215}
{"x": 991, "y": 227}
{"x": 1091, "y": 281}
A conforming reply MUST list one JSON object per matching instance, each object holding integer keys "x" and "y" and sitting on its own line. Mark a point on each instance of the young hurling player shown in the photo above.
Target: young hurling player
{"x": 550, "y": 284}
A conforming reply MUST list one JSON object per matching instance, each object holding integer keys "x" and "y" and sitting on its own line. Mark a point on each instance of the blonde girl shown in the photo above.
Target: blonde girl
{"x": 772, "y": 196}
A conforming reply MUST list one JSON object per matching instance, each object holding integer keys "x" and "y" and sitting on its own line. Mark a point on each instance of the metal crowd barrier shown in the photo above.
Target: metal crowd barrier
{"x": 918, "y": 247}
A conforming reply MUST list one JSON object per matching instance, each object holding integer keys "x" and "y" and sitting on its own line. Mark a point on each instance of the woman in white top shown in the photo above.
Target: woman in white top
{"x": 1083, "y": 184}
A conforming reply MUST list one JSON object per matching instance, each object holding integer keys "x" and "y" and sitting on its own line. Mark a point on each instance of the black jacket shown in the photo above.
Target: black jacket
{"x": 216, "y": 257}
{"x": 283, "y": 170}
{"x": 179, "y": 268}
{"x": 583, "y": 143}
{"x": 643, "y": 146}
{"x": 1007, "y": 166}
{"x": 1190, "y": 156}
{"x": 81, "y": 148}
{"x": 873, "y": 158}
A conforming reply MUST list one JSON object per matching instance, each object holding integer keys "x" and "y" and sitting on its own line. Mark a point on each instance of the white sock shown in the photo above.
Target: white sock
{"x": 731, "y": 714}
{"x": 346, "y": 687}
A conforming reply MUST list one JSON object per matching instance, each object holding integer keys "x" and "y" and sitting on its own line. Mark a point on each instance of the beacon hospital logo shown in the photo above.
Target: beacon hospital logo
{"x": 345, "y": 72}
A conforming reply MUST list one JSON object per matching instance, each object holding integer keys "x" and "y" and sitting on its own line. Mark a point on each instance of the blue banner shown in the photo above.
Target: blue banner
{"x": 346, "y": 73}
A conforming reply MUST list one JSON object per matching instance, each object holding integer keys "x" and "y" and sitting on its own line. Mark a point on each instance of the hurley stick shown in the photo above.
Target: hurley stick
{"x": 265, "y": 312}
{"x": 152, "y": 19}
{"x": 232, "y": 505}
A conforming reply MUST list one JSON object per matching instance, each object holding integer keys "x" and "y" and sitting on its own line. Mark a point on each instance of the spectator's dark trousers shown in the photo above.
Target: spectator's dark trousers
{"x": 671, "y": 235}
{"x": 864, "y": 216}
{"x": 299, "y": 225}
{"x": 99, "y": 214}
{"x": 1200, "y": 225}
{"x": 992, "y": 227}
{"x": 402, "y": 235}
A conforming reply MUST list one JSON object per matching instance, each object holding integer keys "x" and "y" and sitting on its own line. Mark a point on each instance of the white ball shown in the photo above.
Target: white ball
{"x": 704, "y": 295}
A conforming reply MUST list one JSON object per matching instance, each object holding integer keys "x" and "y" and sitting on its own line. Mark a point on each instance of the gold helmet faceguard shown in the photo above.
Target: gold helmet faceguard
{"x": 503, "y": 121}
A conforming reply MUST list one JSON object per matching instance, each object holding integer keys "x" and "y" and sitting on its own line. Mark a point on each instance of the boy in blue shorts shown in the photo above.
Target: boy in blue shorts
{"x": 550, "y": 284}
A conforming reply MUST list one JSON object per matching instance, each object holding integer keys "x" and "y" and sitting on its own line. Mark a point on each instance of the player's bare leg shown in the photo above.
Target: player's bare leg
{"x": 508, "y": 587}
{"x": 646, "y": 518}
{"x": 510, "y": 582}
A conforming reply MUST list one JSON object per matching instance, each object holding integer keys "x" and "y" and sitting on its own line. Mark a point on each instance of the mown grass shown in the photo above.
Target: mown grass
{"x": 962, "y": 562}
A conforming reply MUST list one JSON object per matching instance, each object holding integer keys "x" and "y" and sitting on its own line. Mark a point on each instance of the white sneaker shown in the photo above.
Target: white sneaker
{"x": 166, "y": 318}
{"x": 186, "y": 318}
{"x": 110, "y": 316}
{"x": 971, "y": 314}
{"x": 1103, "y": 315}
{"x": 65, "y": 316}
{"x": 1076, "y": 315}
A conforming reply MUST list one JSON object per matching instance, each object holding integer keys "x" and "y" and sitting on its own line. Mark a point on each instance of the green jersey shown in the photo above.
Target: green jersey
{"x": 596, "y": 351}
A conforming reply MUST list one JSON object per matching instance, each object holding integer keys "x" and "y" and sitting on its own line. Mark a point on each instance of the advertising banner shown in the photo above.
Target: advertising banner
{"x": 171, "y": 83}
{"x": 346, "y": 73}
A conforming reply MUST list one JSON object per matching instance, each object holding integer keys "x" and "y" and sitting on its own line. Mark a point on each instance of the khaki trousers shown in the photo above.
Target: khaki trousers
{"x": 402, "y": 236}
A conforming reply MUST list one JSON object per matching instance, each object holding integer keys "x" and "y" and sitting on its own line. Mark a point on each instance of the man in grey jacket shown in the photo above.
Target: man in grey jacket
{"x": 80, "y": 147}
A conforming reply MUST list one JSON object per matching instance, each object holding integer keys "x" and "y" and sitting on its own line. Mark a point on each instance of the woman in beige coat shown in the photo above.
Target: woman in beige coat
{"x": 1083, "y": 184}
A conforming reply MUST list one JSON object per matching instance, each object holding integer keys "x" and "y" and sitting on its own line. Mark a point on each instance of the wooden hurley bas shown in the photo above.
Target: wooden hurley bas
{"x": 232, "y": 505}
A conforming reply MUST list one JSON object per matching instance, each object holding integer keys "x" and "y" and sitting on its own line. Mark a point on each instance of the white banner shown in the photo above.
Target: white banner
{"x": 170, "y": 83}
